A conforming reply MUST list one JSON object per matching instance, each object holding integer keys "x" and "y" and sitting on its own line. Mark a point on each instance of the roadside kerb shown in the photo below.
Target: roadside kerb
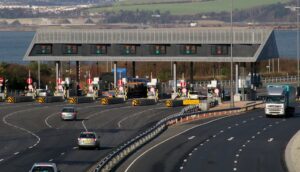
{"x": 187, "y": 114}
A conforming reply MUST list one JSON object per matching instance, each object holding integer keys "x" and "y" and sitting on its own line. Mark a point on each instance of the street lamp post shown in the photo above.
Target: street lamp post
{"x": 296, "y": 9}
{"x": 231, "y": 58}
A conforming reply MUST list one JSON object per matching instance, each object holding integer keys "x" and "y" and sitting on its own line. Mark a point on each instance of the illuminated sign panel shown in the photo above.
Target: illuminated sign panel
{"x": 99, "y": 49}
{"x": 43, "y": 49}
{"x": 219, "y": 50}
{"x": 158, "y": 50}
{"x": 128, "y": 49}
{"x": 70, "y": 49}
{"x": 188, "y": 49}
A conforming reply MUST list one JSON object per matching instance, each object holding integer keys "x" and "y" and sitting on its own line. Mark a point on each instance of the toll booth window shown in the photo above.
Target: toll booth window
{"x": 219, "y": 50}
{"x": 188, "y": 49}
{"x": 43, "y": 49}
{"x": 158, "y": 50}
{"x": 99, "y": 49}
{"x": 129, "y": 49}
{"x": 70, "y": 49}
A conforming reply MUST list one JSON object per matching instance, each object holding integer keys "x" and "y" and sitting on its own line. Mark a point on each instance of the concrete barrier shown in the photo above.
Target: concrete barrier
{"x": 174, "y": 103}
{"x": 77, "y": 100}
{"x": 49, "y": 99}
{"x": 191, "y": 102}
{"x": 110, "y": 100}
{"x": 143, "y": 102}
{"x": 18, "y": 99}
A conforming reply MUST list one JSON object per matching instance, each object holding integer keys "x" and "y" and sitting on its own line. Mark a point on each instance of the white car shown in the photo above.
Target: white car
{"x": 88, "y": 140}
{"x": 44, "y": 167}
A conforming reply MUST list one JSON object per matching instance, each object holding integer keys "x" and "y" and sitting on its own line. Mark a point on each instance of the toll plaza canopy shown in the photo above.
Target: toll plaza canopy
{"x": 169, "y": 44}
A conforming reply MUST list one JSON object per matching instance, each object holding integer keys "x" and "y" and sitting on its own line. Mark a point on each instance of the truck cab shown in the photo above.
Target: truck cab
{"x": 280, "y": 100}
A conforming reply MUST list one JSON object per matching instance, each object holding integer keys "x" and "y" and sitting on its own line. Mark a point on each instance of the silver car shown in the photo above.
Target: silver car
{"x": 69, "y": 113}
{"x": 88, "y": 140}
{"x": 44, "y": 167}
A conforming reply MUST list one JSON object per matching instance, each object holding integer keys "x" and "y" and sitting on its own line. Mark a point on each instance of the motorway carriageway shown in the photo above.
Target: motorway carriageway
{"x": 247, "y": 142}
{"x": 32, "y": 132}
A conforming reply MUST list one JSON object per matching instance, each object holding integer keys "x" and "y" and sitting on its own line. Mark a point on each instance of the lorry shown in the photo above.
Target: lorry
{"x": 280, "y": 100}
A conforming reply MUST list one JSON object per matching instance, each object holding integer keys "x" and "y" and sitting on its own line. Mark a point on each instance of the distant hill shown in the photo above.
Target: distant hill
{"x": 53, "y": 2}
{"x": 186, "y": 7}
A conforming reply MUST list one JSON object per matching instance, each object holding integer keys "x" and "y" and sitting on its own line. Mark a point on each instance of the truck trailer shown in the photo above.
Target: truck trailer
{"x": 280, "y": 101}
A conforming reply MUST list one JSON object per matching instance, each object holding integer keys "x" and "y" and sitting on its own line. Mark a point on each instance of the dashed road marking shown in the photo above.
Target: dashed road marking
{"x": 16, "y": 153}
{"x": 237, "y": 155}
{"x": 230, "y": 139}
{"x": 50, "y": 160}
{"x": 234, "y": 169}
{"x": 191, "y": 138}
{"x": 1, "y": 160}
{"x": 270, "y": 139}
{"x": 62, "y": 153}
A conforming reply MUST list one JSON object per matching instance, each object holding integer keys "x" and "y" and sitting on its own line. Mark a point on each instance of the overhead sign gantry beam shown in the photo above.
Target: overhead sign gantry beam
{"x": 188, "y": 44}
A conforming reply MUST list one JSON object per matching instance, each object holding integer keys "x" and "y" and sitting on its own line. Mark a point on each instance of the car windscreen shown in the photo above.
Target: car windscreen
{"x": 43, "y": 169}
{"x": 68, "y": 110}
{"x": 84, "y": 135}
{"x": 275, "y": 99}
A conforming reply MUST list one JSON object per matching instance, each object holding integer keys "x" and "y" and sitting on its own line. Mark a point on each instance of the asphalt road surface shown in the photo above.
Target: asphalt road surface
{"x": 32, "y": 132}
{"x": 248, "y": 142}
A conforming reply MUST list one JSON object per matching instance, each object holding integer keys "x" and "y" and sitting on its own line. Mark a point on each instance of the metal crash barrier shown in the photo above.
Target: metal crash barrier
{"x": 174, "y": 103}
{"x": 18, "y": 99}
{"x": 49, "y": 99}
{"x": 111, "y": 100}
{"x": 77, "y": 100}
{"x": 143, "y": 102}
{"x": 113, "y": 159}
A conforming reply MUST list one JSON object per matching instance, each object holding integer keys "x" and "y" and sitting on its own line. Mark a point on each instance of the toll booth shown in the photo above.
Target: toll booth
{"x": 152, "y": 89}
{"x": 122, "y": 90}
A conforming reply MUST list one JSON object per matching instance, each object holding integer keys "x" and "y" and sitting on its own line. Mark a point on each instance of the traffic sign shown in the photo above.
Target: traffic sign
{"x": 120, "y": 82}
{"x": 89, "y": 80}
{"x": 29, "y": 80}
{"x": 59, "y": 80}
{"x": 183, "y": 84}
{"x": 1, "y": 79}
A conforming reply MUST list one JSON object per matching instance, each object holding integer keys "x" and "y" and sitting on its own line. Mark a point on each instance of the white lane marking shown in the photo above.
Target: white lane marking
{"x": 235, "y": 161}
{"x": 221, "y": 131}
{"x": 270, "y": 139}
{"x": 229, "y": 128}
{"x": 98, "y": 113}
{"x": 234, "y": 169}
{"x": 207, "y": 140}
{"x": 4, "y": 119}
{"x": 240, "y": 150}
{"x": 1, "y": 160}
{"x": 270, "y": 125}
{"x": 30, "y": 147}
{"x": 48, "y": 117}
{"x": 244, "y": 121}
{"x": 16, "y": 153}
{"x": 237, "y": 155}
{"x": 162, "y": 142}
{"x": 253, "y": 137}
{"x": 236, "y": 124}
{"x": 181, "y": 167}
{"x": 258, "y": 133}
{"x": 214, "y": 136}
{"x": 190, "y": 154}
{"x": 75, "y": 147}
{"x": 191, "y": 138}
{"x": 244, "y": 145}
{"x": 230, "y": 139}
{"x": 62, "y": 153}
{"x": 50, "y": 160}
{"x": 136, "y": 114}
